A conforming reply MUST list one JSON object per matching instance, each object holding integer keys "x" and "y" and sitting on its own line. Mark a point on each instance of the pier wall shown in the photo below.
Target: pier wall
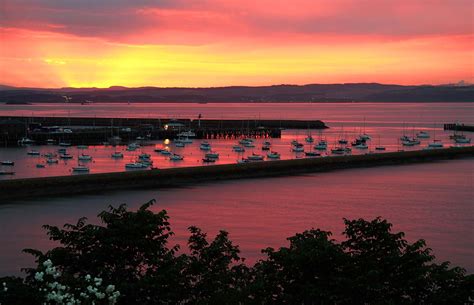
{"x": 92, "y": 131}
{"x": 172, "y": 177}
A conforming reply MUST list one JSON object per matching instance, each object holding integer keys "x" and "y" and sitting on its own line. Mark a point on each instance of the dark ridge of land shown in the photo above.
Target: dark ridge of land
{"x": 173, "y": 177}
{"x": 356, "y": 92}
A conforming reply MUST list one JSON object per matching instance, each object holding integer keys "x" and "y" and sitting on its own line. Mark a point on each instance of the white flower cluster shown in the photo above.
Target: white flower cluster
{"x": 56, "y": 293}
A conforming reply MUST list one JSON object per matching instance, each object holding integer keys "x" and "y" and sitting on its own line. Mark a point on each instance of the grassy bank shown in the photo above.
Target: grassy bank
{"x": 159, "y": 178}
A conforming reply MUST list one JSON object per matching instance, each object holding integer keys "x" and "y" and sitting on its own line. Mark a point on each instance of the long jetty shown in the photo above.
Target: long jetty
{"x": 173, "y": 177}
{"x": 93, "y": 130}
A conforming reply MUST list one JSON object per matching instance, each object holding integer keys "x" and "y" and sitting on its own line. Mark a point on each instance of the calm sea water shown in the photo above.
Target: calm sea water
{"x": 385, "y": 114}
{"x": 430, "y": 201}
{"x": 384, "y": 122}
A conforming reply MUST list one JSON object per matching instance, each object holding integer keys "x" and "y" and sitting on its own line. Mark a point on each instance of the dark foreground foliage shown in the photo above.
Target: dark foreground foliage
{"x": 372, "y": 265}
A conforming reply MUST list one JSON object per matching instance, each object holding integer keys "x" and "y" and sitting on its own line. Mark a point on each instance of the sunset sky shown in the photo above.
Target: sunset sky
{"x": 101, "y": 43}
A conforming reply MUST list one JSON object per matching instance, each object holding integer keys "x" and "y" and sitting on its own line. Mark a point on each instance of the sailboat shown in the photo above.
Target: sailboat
{"x": 364, "y": 136}
{"x": 379, "y": 147}
{"x": 436, "y": 143}
{"x": 342, "y": 140}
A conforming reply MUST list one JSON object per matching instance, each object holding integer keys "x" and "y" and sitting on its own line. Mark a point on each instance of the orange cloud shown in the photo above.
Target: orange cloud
{"x": 214, "y": 43}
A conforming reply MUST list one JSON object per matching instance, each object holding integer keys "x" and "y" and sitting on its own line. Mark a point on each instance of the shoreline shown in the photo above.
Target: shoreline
{"x": 174, "y": 177}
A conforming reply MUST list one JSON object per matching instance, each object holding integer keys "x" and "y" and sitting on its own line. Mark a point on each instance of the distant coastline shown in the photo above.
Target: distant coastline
{"x": 312, "y": 93}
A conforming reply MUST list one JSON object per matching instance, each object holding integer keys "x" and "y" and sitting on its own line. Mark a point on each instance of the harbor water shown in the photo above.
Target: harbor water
{"x": 433, "y": 201}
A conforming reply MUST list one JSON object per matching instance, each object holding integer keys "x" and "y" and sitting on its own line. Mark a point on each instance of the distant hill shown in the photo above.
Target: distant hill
{"x": 357, "y": 92}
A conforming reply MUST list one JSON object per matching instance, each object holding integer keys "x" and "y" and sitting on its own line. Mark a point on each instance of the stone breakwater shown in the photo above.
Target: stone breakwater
{"x": 173, "y": 177}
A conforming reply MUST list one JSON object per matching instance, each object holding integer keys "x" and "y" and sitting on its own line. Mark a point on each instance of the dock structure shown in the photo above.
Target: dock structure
{"x": 459, "y": 127}
{"x": 93, "y": 130}
{"x": 173, "y": 177}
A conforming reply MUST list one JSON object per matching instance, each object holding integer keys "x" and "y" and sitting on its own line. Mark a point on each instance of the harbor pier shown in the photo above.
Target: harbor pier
{"x": 173, "y": 177}
{"x": 93, "y": 130}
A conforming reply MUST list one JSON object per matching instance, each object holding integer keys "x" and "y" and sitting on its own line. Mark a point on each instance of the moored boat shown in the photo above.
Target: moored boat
{"x": 84, "y": 157}
{"x": 135, "y": 165}
{"x": 312, "y": 154}
{"x": 208, "y": 160}
{"x": 238, "y": 148}
{"x": 65, "y": 156}
{"x": 423, "y": 135}
{"x": 117, "y": 155}
{"x": 80, "y": 169}
{"x": 255, "y": 157}
{"x": 205, "y": 146}
{"x": 8, "y": 163}
{"x": 7, "y": 172}
{"x": 176, "y": 157}
{"x": 25, "y": 141}
{"x": 273, "y": 155}
{"x": 212, "y": 155}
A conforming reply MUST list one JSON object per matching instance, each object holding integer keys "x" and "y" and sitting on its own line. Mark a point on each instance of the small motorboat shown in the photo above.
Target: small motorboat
{"x": 50, "y": 141}
{"x": 117, "y": 155}
{"x": 176, "y": 157}
{"x": 362, "y": 146}
{"x": 66, "y": 156}
{"x": 358, "y": 142}
{"x": 238, "y": 148}
{"x": 166, "y": 152}
{"x": 33, "y": 153}
{"x": 322, "y": 145}
{"x": 248, "y": 144}
{"x": 212, "y": 155}
{"x": 80, "y": 169}
{"x": 8, "y": 163}
{"x": 52, "y": 161}
{"x": 255, "y": 157}
{"x": 208, "y": 160}
{"x": 64, "y": 144}
{"x": 62, "y": 150}
{"x": 84, "y": 157}
{"x": 273, "y": 155}
{"x": 50, "y": 155}
{"x": 379, "y": 147}
{"x": 298, "y": 147}
{"x": 82, "y": 147}
{"x": 40, "y": 165}
{"x": 25, "y": 141}
{"x": 423, "y": 135}
{"x": 246, "y": 141}
{"x": 205, "y": 146}
{"x": 462, "y": 140}
{"x": 7, "y": 173}
{"x": 179, "y": 144}
{"x": 312, "y": 154}
{"x": 309, "y": 139}
{"x": 343, "y": 141}
{"x": 265, "y": 147}
{"x": 135, "y": 165}
{"x": 144, "y": 156}
{"x": 435, "y": 144}
{"x": 243, "y": 160}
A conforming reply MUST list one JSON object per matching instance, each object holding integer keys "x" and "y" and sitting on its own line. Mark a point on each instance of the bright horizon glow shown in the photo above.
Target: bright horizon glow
{"x": 226, "y": 43}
